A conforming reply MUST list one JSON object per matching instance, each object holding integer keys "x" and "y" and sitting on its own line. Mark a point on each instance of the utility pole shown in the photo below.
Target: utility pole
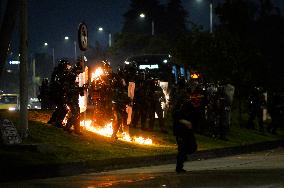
{"x": 34, "y": 80}
{"x": 75, "y": 50}
{"x": 211, "y": 16}
{"x": 153, "y": 28}
{"x": 23, "y": 69}
{"x": 109, "y": 39}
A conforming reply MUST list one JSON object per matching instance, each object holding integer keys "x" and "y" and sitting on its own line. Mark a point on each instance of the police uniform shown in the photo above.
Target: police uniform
{"x": 120, "y": 100}
{"x": 155, "y": 97}
{"x": 57, "y": 93}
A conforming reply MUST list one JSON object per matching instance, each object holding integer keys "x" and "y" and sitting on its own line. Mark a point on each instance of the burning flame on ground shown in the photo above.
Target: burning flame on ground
{"x": 107, "y": 131}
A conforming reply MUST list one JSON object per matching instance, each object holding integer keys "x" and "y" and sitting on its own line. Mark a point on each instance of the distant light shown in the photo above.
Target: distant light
{"x": 85, "y": 58}
{"x": 45, "y": 44}
{"x": 170, "y": 56}
{"x": 9, "y": 71}
{"x": 14, "y": 62}
{"x": 165, "y": 61}
{"x": 194, "y": 76}
{"x": 149, "y": 66}
{"x": 100, "y": 29}
{"x": 142, "y": 15}
{"x": 11, "y": 108}
{"x": 126, "y": 62}
{"x": 66, "y": 38}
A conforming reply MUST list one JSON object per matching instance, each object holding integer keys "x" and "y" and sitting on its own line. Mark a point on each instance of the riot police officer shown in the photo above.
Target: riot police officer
{"x": 57, "y": 93}
{"x": 120, "y": 100}
{"x": 155, "y": 98}
{"x": 72, "y": 100}
{"x": 44, "y": 94}
{"x": 256, "y": 106}
{"x": 139, "y": 109}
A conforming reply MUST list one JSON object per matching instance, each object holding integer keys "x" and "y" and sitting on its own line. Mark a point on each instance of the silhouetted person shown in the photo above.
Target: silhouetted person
{"x": 256, "y": 105}
{"x": 44, "y": 94}
{"x": 156, "y": 97}
{"x": 120, "y": 100}
{"x": 276, "y": 110}
{"x": 139, "y": 107}
{"x": 184, "y": 121}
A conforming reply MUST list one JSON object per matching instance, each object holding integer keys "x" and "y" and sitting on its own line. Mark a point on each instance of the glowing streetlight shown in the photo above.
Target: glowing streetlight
{"x": 143, "y": 16}
{"x": 53, "y": 60}
{"x": 101, "y": 29}
{"x": 66, "y": 38}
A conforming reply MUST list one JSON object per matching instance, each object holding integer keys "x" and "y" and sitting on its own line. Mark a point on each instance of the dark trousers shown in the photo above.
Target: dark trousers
{"x": 119, "y": 119}
{"x": 73, "y": 118}
{"x": 186, "y": 145}
{"x": 256, "y": 114}
{"x": 139, "y": 113}
{"x": 58, "y": 115}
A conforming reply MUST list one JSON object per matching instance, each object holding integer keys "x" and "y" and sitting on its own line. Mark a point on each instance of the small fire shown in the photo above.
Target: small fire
{"x": 98, "y": 72}
{"x": 107, "y": 131}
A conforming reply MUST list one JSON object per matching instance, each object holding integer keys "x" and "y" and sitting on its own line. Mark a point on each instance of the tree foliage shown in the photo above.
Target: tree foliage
{"x": 176, "y": 18}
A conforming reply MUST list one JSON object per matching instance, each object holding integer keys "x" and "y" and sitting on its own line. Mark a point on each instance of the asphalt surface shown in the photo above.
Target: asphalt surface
{"x": 17, "y": 173}
{"x": 258, "y": 169}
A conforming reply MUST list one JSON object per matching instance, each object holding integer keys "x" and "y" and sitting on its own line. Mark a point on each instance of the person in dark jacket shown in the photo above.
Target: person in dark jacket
{"x": 184, "y": 117}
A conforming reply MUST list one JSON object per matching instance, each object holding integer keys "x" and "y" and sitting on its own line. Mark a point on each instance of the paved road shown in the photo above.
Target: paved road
{"x": 261, "y": 169}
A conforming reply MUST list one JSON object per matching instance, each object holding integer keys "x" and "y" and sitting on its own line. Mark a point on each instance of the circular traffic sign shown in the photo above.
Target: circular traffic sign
{"x": 83, "y": 36}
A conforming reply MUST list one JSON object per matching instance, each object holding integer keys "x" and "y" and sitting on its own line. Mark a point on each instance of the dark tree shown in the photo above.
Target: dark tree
{"x": 6, "y": 30}
{"x": 268, "y": 37}
{"x": 236, "y": 16}
{"x": 176, "y": 18}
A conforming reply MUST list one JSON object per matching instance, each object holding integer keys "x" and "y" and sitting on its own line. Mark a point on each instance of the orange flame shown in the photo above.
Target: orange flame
{"x": 107, "y": 131}
{"x": 96, "y": 75}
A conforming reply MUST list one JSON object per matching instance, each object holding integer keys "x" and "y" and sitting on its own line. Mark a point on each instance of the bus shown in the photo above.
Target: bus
{"x": 9, "y": 102}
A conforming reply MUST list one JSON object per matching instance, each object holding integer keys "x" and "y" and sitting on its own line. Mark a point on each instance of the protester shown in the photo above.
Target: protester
{"x": 184, "y": 121}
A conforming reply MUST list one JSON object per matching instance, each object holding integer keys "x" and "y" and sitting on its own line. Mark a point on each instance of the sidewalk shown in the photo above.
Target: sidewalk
{"x": 13, "y": 173}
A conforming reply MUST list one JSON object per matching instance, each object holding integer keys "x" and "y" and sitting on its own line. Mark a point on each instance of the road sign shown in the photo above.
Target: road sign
{"x": 83, "y": 36}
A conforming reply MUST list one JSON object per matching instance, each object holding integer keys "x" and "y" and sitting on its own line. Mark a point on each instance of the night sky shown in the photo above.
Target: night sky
{"x": 51, "y": 20}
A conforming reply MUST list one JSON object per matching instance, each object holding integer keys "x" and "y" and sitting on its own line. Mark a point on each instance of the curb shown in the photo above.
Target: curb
{"x": 54, "y": 170}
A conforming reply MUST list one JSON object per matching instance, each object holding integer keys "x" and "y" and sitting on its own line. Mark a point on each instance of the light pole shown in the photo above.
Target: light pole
{"x": 53, "y": 58}
{"x": 101, "y": 30}
{"x": 211, "y": 16}
{"x": 142, "y": 16}
{"x": 66, "y": 38}
{"x": 75, "y": 49}
{"x": 211, "y": 13}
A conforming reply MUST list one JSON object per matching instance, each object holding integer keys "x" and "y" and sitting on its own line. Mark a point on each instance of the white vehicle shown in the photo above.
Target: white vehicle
{"x": 34, "y": 104}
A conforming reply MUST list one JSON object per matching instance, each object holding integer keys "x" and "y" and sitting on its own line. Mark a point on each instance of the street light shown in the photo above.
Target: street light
{"x": 101, "y": 29}
{"x": 143, "y": 16}
{"x": 66, "y": 38}
{"x": 53, "y": 60}
{"x": 211, "y": 13}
